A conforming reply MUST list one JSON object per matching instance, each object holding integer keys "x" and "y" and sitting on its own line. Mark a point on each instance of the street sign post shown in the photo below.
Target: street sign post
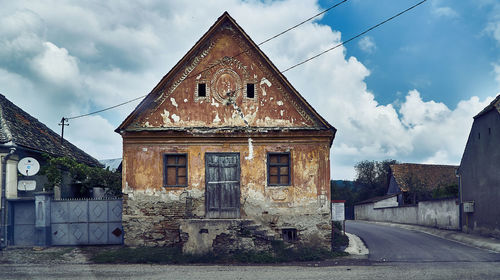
{"x": 338, "y": 215}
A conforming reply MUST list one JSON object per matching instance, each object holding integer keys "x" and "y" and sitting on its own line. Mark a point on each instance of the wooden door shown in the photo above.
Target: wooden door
{"x": 222, "y": 183}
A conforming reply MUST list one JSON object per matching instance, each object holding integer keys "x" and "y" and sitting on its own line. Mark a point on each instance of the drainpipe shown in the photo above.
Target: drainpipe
{"x": 460, "y": 207}
{"x": 3, "y": 241}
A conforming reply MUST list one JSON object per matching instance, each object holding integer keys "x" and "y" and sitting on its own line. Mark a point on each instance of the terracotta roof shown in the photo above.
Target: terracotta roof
{"x": 23, "y": 130}
{"x": 432, "y": 176}
{"x": 223, "y": 19}
{"x": 495, "y": 104}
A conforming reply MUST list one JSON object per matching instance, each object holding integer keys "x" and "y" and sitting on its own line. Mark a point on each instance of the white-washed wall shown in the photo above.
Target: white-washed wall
{"x": 437, "y": 213}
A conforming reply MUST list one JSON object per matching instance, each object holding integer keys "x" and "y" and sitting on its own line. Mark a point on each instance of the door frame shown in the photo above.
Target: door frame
{"x": 238, "y": 170}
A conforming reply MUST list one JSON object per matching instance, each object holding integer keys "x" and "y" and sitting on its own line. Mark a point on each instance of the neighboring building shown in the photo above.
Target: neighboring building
{"x": 21, "y": 135}
{"x": 424, "y": 178}
{"x": 114, "y": 164}
{"x": 224, "y": 139}
{"x": 31, "y": 138}
{"x": 480, "y": 173}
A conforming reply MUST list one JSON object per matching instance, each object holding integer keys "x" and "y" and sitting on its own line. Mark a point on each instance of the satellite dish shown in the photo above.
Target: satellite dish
{"x": 28, "y": 166}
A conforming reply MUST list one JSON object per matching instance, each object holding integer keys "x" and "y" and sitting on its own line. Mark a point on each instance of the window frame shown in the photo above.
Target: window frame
{"x": 255, "y": 91}
{"x": 246, "y": 90}
{"x": 177, "y": 166}
{"x": 207, "y": 90}
{"x": 269, "y": 165}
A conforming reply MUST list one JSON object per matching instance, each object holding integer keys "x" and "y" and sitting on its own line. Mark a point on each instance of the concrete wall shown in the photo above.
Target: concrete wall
{"x": 388, "y": 202}
{"x": 404, "y": 214}
{"x": 437, "y": 213}
{"x": 480, "y": 175}
{"x": 440, "y": 214}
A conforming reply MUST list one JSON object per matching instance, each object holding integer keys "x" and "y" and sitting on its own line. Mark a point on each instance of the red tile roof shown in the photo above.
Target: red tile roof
{"x": 430, "y": 175}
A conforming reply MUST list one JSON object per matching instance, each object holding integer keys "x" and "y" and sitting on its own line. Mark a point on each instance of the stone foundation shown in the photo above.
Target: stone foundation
{"x": 164, "y": 219}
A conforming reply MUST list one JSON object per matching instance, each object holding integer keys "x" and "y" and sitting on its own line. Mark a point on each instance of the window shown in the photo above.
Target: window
{"x": 202, "y": 90}
{"x": 289, "y": 234}
{"x": 278, "y": 169}
{"x": 175, "y": 170}
{"x": 250, "y": 90}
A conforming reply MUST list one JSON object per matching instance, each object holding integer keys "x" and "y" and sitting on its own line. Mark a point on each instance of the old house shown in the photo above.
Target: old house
{"x": 419, "y": 179}
{"x": 480, "y": 173}
{"x": 23, "y": 136}
{"x": 224, "y": 150}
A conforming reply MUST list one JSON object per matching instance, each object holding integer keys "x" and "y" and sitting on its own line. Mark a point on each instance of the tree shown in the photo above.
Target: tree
{"x": 86, "y": 176}
{"x": 372, "y": 178}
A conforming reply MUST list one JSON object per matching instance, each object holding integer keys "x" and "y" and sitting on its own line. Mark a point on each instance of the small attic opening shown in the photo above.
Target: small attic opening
{"x": 202, "y": 90}
{"x": 250, "y": 90}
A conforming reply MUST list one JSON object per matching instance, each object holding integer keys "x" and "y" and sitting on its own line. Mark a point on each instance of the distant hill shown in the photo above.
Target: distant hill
{"x": 343, "y": 183}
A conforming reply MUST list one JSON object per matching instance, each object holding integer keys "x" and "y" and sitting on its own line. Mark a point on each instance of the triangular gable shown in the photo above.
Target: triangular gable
{"x": 174, "y": 103}
{"x": 495, "y": 104}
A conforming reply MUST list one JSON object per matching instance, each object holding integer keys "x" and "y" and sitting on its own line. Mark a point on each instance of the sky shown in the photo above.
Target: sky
{"x": 407, "y": 90}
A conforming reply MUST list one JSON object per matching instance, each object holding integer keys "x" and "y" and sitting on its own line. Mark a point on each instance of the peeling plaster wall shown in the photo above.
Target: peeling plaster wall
{"x": 152, "y": 213}
{"x": 226, "y": 54}
{"x": 175, "y": 118}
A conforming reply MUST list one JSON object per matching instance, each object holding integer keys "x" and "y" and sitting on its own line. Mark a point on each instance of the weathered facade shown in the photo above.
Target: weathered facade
{"x": 480, "y": 173}
{"x": 225, "y": 143}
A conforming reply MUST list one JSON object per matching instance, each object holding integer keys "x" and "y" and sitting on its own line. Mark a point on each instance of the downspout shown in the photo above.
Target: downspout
{"x": 460, "y": 207}
{"x": 3, "y": 241}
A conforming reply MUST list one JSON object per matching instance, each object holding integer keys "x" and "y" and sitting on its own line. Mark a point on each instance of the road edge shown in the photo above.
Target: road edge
{"x": 357, "y": 247}
{"x": 472, "y": 240}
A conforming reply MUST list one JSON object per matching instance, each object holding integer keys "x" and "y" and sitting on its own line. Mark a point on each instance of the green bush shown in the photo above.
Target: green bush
{"x": 173, "y": 255}
{"x": 86, "y": 176}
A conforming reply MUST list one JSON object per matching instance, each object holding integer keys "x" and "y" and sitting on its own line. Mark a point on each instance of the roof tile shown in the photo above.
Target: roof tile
{"x": 24, "y": 130}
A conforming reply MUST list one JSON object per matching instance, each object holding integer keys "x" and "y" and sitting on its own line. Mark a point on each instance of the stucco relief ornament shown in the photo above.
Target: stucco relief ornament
{"x": 226, "y": 86}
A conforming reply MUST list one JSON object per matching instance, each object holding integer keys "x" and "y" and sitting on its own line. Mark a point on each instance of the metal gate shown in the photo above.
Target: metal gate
{"x": 86, "y": 222}
{"x": 23, "y": 221}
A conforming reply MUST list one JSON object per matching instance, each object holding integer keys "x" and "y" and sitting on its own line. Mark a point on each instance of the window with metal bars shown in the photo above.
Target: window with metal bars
{"x": 278, "y": 169}
{"x": 289, "y": 234}
{"x": 175, "y": 170}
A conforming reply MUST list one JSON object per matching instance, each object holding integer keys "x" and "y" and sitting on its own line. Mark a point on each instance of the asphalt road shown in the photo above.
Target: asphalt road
{"x": 392, "y": 244}
{"x": 470, "y": 270}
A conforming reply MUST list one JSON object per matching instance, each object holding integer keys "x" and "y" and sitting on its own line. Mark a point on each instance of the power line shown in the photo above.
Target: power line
{"x": 352, "y": 38}
{"x": 208, "y": 68}
{"x": 297, "y": 25}
{"x": 287, "y": 69}
{"x": 105, "y": 109}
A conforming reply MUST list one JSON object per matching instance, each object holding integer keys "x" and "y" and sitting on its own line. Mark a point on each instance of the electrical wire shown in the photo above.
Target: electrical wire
{"x": 352, "y": 38}
{"x": 105, "y": 109}
{"x": 265, "y": 41}
{"x": 206, "y": 69}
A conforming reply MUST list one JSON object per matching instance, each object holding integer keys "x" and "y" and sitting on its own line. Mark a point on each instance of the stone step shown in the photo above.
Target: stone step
{"x": 256, "y": 229}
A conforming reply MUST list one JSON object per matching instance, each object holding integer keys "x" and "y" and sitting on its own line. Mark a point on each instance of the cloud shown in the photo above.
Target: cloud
{"x": 56, "y": 65}
{"x": 493, "y": 29}
{"x": 496, "y": 72}
{"x": 447, "y": 12}
{"x": 367, "y": 44}
{"x": 111, "y": 53}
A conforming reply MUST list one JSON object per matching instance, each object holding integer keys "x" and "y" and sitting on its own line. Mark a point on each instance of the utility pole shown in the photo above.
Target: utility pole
{"x": 62, "y": 124}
